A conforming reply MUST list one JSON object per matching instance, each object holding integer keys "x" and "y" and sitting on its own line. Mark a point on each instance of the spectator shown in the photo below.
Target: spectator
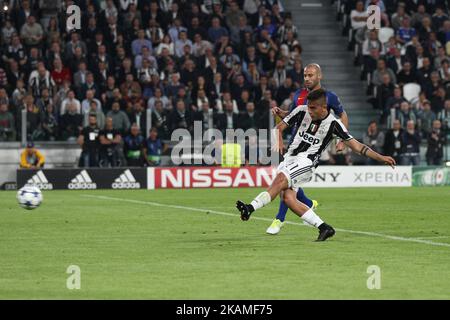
{"x": 399, "y": 17}
{"x": 89, "y": 142}
{"x": 40, "y": 79}
{"x": 407, "y": 74}
{"x": 89, "y": 85}
{"x": 226, "y": 99}
{"x": 33, "y": 117}
{"x": 31, "y": 158}
{"x": 377, "y": 77}
{"x": 405, "y": 32}
{"x": 94, "y": 109}
{"x": 160, "y": 120}
{"x": 180, "y": 117}
{"x": 16, "y": 51}
{"x": 32, "y": 32}
{"x": 436, "y": 142}
{"x": 138, "y": 115}
{"x": 216, "y": 31}
{"x": 181, "y": 43}
{"x": 79, "y": 78}
{"x": 71, "y": 123}
{"x": 384, "y": 91}
{"x": 228, "y": 119}
{"x": 205, "y": 115}
{"x": 49, "y": 123}
{"x": 86, "y": 104}
{"x": 7, "y": 32}
{"x": 410, "y": 154}
{"x": 70, "y": 100}
{"x": 393, "y": 141}
{"x": 425, "y": 119}
{"x": 438, "y": 100}
{"x": 119, "y": 118}
{"x": 7, "y": 124}
{"x": 72, "y": 45}
{"x": 444, "y": 117}
{"x": 395, "y": 61}
{"x": 153, "y": 149}
{"x": 406, "y": 114}
{"x": 393, "y": 102}
{"x": 374, "y": 139}
{"x": 110, "y": 143}
{"x": 19, "y": 93}
{"x": 60, "y": 72}
{"x": 249, "y": 119}
{"x": 133, "y": 147}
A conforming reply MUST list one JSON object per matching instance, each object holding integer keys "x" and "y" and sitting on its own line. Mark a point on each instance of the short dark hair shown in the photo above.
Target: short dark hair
{"x": 318, "y": 94}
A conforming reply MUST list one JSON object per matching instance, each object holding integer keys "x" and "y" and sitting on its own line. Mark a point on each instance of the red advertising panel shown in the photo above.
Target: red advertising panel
{"x": 209, "y": 177}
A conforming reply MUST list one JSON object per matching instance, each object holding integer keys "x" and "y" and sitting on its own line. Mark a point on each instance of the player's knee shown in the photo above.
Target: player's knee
{"x": 288, "y": 197}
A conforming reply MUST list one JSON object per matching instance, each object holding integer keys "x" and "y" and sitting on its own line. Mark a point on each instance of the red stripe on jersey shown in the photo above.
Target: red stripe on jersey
{"x": 302, "y": 97}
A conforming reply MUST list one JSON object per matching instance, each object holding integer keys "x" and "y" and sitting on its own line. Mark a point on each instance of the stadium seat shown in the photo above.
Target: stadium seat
{"x": 384, "y": 34}
{"x": 411, "y": 91}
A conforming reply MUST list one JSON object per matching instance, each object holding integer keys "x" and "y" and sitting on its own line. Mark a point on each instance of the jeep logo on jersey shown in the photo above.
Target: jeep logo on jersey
{"x": 309, "y": 138}
{"x": 126, "y": 181}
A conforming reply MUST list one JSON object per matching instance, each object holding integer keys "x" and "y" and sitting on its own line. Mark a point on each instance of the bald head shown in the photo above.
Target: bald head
{"x": 315, "y": 66}
{"x": 312, "y": 76}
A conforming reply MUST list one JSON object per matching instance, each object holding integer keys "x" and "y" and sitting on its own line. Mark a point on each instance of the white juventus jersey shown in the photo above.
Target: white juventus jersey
{"x": 312, "y": 137}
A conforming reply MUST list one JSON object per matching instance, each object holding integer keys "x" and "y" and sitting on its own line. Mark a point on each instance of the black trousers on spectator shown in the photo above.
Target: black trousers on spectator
{"x": 89, "y": 158}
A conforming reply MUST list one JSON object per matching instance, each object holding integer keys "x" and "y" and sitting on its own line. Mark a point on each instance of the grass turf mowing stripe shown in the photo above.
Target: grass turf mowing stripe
{"x": 372, "y": 234}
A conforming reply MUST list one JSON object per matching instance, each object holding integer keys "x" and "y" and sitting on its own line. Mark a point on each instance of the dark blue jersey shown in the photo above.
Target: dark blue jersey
{"x": 333, "y": 101}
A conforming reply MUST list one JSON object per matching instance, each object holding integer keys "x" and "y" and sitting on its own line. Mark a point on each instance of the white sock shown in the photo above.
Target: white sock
{"x": 312, "y": 218}
{"x": 261, "y": 200}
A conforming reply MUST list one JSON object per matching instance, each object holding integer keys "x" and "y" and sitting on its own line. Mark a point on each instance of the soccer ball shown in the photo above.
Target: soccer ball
{"x": 29, "y": 197}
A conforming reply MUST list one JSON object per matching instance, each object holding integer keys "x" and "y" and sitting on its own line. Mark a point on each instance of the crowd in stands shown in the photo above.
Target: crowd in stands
{"x": 222, "y": 62}
{"x": 406, "y": 65}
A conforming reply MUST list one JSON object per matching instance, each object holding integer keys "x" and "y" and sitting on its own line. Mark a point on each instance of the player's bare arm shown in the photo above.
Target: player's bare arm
{"x": 279, "y": 145}
{"x": 340, "y": 146}
{"x": 276, "y": 111}
{"x": 364, "y": 150}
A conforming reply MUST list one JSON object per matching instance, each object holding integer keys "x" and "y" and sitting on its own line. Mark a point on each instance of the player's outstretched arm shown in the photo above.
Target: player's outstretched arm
{"x": 364, "y": 150}
{"x": 278, "y": 145}
{"x": 276, "y": 111}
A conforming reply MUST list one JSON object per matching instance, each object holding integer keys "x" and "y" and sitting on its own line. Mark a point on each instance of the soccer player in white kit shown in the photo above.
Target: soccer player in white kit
{"x": 316, "y": 129}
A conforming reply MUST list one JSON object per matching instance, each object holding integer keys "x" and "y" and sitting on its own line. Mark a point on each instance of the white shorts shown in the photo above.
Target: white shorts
{"x": 298, "y": 170}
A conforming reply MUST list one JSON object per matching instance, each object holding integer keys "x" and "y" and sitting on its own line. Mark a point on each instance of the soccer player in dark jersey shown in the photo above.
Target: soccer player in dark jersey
{"x": 312, "y": 76}
{"x": 316, "y": 129}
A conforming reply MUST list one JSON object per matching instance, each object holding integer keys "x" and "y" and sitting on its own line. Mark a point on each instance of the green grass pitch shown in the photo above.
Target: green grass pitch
{"x": 182, "y": 244}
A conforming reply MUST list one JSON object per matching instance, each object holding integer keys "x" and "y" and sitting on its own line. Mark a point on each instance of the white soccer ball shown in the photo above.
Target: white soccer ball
{"x": 29, "y": 197}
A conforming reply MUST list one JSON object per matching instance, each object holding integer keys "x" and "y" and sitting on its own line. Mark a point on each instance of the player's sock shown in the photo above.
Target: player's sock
{"x": 312, "y": 218}
{"x": 301, "y": 196}
{"x": 261, "y": 200}
{"x": 282, "y": 210}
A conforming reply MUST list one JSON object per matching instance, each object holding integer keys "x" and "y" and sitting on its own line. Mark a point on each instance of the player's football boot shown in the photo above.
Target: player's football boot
{"x": 325, "y": 231}
{"x": 244, "y": 209}
{"x": 275, "y": 227}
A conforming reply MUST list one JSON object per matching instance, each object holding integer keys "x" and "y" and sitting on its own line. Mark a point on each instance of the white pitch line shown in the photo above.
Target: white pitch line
{"x": 435, "y": 237}
{"x": 372, "y": 234}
